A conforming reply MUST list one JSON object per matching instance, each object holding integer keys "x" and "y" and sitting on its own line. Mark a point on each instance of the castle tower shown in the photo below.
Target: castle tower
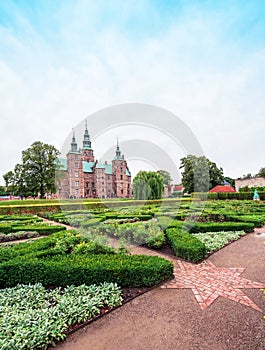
{"x": 73, "y": 169}
{"x": 121, "y": 175}
{"x": 87, "y": 151}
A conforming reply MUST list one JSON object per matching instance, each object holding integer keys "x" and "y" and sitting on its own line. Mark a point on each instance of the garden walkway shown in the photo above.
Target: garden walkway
{"x": 214, "y": 305}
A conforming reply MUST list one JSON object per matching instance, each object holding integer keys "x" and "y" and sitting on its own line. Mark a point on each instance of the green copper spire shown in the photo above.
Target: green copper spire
{"x": 86, "y": 142}
{"x": 73, "y": 143}
{"x": 118, "y": 152}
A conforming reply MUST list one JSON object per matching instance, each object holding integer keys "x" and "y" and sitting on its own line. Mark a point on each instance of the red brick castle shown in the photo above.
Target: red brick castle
{"x": 85, "y": 177}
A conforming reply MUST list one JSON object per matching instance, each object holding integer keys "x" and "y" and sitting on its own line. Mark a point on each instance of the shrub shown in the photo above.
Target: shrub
{"x": 185, "y": 245}
{"x": 41, "y": 229}
{"x": 215, "y": 226}
{"x": 256, "y": 220}
{"x": 125, "y": 270}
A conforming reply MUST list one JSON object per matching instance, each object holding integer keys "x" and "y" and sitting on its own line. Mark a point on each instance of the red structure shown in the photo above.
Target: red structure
{"x": 85, "y": 177}
{"x": 222, "y": 188}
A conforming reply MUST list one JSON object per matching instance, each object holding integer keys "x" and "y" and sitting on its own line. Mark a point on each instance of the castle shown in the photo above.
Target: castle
{"x": 85, "y": 177}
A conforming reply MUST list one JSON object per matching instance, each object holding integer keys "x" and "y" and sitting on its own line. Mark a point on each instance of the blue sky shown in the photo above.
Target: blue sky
{"x": 60, "y": 61}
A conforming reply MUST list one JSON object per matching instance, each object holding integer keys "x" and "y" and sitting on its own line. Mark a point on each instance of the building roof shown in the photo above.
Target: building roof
{"x": 223, "y": 188}
{"x": 107, "y": 167}
{"x": 87, "y": 166}
{"x": 128, "y": 173}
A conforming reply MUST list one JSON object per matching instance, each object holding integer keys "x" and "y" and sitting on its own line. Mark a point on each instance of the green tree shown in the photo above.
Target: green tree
{"x": 261, "y": 172}
{"x": 230, "y": 180}
{"x": 166, "y": 176}
{"x": 36, "y": 173}
{"x": 3, "y": 191}
{"x": 200, "y": 174}
{"x": 148, "y": 185}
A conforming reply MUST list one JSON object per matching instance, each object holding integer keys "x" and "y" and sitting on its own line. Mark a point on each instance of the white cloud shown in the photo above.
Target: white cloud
{"x": 190, "y": 67}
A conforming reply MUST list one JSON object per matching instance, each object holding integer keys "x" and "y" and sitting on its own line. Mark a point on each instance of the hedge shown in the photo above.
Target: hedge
{"x": 215, "y": 226}
{"x": 28, "y": 218}
{"x": 41, "y": 229}
{"x": 56, "y": 207}
{"x": 125, "y": 270}
{"x": 258, "y": 221}
{"x": 184, "y": 245}
{"x": 235, "y": 195}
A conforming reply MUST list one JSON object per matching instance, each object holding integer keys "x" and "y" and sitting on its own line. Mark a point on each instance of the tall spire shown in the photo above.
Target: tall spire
{"x": 73, "y": 143}
{"x": 118, "y": 152}
{"x": 86, "y": 142}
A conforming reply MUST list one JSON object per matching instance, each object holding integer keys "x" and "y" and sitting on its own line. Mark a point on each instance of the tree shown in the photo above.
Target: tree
{"x": 3, "y": 191}
{"x": 230, "y": 180}
{"x": 248, "y": 176}
{"x": 36, "y": 173}
{"x": 166, "y": 176}
{"x": 261, "y": 172}
{"x": 200, "y": 174}
{"x": 148, "y": 185}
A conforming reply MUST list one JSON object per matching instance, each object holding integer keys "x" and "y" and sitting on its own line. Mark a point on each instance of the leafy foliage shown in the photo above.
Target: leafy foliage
{"x": 34, "y": 318}
{"x": 200, "y": 174}
{"x": 185, "y": 245}
{"x": 148, "y": 185}
{"x": 166, "y": 177}
{"x": 36, "y": 174}
{"x": 216, "y": 240}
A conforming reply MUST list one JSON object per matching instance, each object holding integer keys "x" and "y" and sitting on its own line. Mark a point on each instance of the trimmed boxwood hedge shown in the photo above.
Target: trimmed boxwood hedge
{"x": 41, "y": 229}
{"x": 184, "y": 245}
{"x": 125, "y": 270}
{"x": 216, "y": 226}
{"x": 258, "y": 221}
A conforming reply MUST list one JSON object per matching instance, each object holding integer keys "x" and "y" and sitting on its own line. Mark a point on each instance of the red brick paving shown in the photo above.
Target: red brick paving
{"x": 208, "y": 282}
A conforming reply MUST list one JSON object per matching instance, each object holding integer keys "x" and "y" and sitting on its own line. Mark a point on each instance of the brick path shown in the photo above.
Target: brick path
{"x": 209, "y": 282}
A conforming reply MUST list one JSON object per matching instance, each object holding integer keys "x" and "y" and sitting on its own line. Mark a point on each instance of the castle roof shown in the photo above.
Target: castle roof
{"x": 107, "y": 167}
{"x": 87, "y": 166}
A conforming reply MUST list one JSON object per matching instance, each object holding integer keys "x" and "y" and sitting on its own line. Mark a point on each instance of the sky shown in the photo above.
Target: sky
{"x": 204, "y": 61}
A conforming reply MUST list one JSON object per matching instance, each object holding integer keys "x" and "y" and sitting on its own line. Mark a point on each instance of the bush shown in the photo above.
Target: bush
{"x": 125, "y": 270}
{"x": 216, "y": 226}
{"x": 41, "y": 229}
{"x": 18, "y": 235}
{"x": 185, "y": 245}
{"x": 256, "y": 220}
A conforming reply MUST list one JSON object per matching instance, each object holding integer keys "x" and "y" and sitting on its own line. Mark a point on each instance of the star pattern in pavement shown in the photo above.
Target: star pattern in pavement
{"x": 209, "y": 282}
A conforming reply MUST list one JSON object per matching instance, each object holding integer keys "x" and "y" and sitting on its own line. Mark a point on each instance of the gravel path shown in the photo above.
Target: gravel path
{"x": 172, "y": 319}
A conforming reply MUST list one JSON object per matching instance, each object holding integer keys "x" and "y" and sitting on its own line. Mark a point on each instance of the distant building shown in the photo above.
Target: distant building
{"x": 252, "y": 182}
{"x": 85, "y": 177}
{"x": 222, "y": 188}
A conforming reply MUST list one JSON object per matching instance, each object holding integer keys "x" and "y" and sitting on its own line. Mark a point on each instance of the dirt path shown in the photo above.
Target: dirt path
{"x": 172, "y": 318}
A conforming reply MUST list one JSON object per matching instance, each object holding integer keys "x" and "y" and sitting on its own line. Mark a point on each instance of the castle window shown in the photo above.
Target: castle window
{"x": 121, "y": 177}
{"x": 121, "y": 169}
{"x": 76, "y": 156}
{"x": 76, "y": 174}
{"x": 76, "y": 164}
{"x": 102, "y": 183}
{"x": 121, "y": 191}
{"x": 76, "y": 192}
{"x": 77, "y": 183}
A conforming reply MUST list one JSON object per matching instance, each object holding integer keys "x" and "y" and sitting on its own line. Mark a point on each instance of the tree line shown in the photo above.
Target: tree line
{"x": 35, "y": 175}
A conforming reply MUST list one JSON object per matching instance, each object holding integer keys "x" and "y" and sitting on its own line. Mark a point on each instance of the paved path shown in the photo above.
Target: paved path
{"x": 191, "y": 312}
